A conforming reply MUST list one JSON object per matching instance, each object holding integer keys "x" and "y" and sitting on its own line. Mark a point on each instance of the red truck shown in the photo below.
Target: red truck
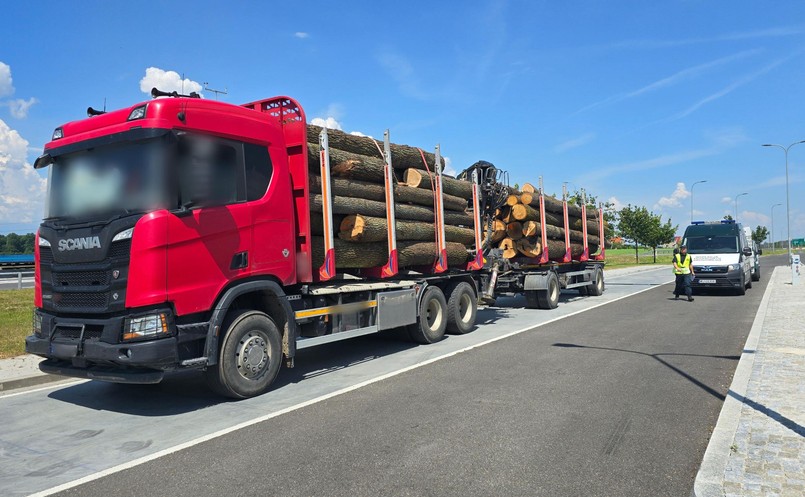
{"x": 177, "y": 236}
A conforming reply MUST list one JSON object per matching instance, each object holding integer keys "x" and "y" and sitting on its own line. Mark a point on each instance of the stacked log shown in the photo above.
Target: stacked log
{"x": 359, "y": 204}
{"x": 517, "y": 232}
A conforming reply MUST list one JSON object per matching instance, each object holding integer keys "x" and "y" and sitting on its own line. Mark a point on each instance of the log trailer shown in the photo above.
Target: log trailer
{"x": 178, "y": 236}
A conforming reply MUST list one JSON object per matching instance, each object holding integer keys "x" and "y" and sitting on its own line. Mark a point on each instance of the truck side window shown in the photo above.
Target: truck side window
{"x": 258, "y": 170}
{"x": 211, "y": 172}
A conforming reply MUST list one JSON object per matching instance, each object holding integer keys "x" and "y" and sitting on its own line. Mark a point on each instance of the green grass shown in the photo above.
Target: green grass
{"x": 16, "y": 308}
{"x": 624, "y": 257}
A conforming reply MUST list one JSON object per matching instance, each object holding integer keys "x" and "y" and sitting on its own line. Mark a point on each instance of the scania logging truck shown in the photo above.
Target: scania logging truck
{"x": 152, "y": 258}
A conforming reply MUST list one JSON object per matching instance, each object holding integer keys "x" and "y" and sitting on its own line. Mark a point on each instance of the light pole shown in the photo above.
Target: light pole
{"x": 773, "y": 243}
{"x": 787, "y": 200}
{"x": 691, "y": 198}
{"x": 736, "y": 204}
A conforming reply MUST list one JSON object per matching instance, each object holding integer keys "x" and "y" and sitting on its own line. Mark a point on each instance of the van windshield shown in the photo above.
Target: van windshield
{"x": 712, "y": 244}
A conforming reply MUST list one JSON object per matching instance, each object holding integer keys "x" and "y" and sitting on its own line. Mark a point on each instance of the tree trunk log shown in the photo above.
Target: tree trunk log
{"x": 498, "y": 231}
{"x": 352, "y": 205}
{"x": 402, "y": 156}
{"x": 528, "y": 188}
{"x": 317, "y": 223}
{"x": 555, "y": 205}
{"x": 532, "y": 228}
{"x": 527, "y": 248}
{"x": 373, "y": 191}
{"x": 357, "y": 228}
{"x": 514, "y": 230}
{"x": 350, "y": 255}
{"x": 508, "y": 248}
{"x": 345, "y": 164}
{"x": 452, "y": 186}
{"x": 525, "y": 213}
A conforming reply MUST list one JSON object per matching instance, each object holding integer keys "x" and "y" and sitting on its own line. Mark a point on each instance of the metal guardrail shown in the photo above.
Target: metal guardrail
{"x": 19, "y": 275}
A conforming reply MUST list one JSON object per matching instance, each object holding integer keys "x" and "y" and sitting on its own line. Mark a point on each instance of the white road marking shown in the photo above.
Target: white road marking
{"x": 246, "y": 424}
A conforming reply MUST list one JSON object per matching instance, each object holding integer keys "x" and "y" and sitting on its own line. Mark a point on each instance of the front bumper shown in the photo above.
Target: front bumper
{"x": 731, "y": 279}
{"x": 95, "y": 343}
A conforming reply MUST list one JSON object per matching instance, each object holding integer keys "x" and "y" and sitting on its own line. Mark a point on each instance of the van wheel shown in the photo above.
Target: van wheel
{"x": 432, "y": 321}
{"x": 462, "y": 308}
{"x": 756, "y": 274}
{"x": 249, "y": 357}
{"x": 749, "y": 283}
{"x": 742, "y": 289}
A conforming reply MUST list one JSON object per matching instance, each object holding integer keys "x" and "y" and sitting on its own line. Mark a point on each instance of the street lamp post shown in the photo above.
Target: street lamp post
{"x": 787, "y": 199}
{"x": 773, "y": 243}
{"x": 736, "y": 204}
{"x": 691, "y": 198}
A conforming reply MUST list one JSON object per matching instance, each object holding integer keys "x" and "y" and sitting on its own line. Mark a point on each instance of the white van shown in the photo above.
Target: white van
{"x": 722, "y": 256}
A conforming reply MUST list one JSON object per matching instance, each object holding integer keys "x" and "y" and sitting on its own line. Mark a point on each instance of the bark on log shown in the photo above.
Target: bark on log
{"x": 532, "y": 228}
{"x": 451, "y": 186}
{"x": 357, "y": 228}
{"x": 524, "y": 213}
{"x": 350, "y": 255}
{"x": 317, "y": 223}
{"x": 402, "y": 156}
{"x": 498, "y": 231}
{"x": 352, "y": 205}
{"x": 555, "y": 205}
{"x": 373, "y": 191}
{"x": 345, "y": 164}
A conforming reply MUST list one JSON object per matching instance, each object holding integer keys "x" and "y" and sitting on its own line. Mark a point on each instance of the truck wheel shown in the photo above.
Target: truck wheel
{"x": 756, "y": 274}
{"x": 462, "y": 308}
{"x": 531, "y": 299}
{"x": 432, "y": 321}
{"x": 597, "y": 288}
{"x": 549, "y": 299}
{"x": 583, "y": 290}
{"x": 249, "y": 358}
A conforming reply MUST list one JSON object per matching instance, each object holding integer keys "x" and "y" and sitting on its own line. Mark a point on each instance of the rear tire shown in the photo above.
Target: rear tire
{"x": 549, "y": 299}
{"x": 598, "y": 286}
{"x": 756, "y": 275}
{"x": 462, "y": 308}
{"x": 432, "y": 322}
{"x": 249, "y": 357}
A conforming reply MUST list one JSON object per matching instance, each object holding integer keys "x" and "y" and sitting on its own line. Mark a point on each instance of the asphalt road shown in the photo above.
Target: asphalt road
{"x": 618, "y": 400}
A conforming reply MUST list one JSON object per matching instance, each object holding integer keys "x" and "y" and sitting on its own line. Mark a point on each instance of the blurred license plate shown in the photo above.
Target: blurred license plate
{"x": 707, "y": 282}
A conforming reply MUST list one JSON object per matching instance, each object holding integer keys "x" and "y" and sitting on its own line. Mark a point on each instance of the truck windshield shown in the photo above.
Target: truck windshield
{"x": 712, "y": 244}
{"x": 106, "y": 181}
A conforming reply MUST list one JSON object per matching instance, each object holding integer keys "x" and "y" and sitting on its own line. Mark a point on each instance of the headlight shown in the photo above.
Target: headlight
{"x": 734, "y": 267}
{"x": 144, "y": 327}
{"x": 123, "y": 235}
{"x": 43, "y": 242}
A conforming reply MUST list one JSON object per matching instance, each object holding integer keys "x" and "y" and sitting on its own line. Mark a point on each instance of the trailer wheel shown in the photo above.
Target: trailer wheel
{"x": 531, "y": 299}
{"x": 249, "y": 358}
{"x": 549, "y": 299}
{"x": 597, "y": 288}
{"x": 432, "y": 321}
{"x": 583, "y": 290}
{"x": 462, "y": 308}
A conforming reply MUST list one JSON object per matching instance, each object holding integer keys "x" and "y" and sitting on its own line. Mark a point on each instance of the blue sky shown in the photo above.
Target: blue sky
{"x": 634, "y": 101}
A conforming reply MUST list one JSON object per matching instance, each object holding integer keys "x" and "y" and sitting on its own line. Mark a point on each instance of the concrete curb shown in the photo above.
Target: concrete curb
{"x": 710, "y": 478}
{"x": 29, "y": 381}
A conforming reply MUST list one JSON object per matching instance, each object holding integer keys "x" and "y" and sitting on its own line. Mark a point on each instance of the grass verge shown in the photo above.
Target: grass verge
{"x": 16, "y": 307}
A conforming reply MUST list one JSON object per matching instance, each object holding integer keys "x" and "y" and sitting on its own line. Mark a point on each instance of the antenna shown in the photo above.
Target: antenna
{"x": 217, "y": 92}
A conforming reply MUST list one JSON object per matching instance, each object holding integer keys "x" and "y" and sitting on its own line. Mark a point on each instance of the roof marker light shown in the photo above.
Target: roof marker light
{"x": 137, "y": 113}
{"x": 57, "y": 134}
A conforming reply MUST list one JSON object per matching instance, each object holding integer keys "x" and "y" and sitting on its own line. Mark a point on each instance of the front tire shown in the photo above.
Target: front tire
{"x": 249, "y": 358}
{"x": 742, "y": 289}
{"x": 756, "y": 274}
{"x": 432, "y": 322}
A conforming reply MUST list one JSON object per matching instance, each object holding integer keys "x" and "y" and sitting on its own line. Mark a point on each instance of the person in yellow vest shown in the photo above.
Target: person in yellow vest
{"x": 683, "y": 269}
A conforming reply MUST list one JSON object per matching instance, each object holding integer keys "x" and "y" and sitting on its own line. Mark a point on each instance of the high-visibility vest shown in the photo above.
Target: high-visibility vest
{"x": 683, "y": 265}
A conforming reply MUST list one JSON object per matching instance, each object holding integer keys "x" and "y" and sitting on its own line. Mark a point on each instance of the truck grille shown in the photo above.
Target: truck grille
{"x": 81, "y": 278}
{"x": 710, "y": 269}
{"x": 120, "y": 249}
{"x": 90, "y": 333}
{"x": 82, "y": 300}
{"x": 45, "y": 255}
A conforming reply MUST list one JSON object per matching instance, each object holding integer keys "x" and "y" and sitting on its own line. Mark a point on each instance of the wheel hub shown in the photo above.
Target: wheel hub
{"x": 252, "y": 355}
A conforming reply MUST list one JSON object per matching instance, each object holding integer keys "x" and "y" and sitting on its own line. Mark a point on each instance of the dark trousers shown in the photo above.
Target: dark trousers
{"x": 683, "y": 285}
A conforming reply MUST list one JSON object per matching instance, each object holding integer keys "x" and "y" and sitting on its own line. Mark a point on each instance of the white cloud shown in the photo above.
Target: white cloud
{"x": 448, "y": 167}
{"x": 22, "y": 189}
{"x": 6, "y": 86}
{"x": 358, "y": 133}
{"x": 301, "y": 35}
{"x": 328, "y": 122}
{"x": 168, "y": 81}
{"x": 616, "y": 204}
{"x": 751, "y": 218}
{"x": 574, "y": 143}
{"x": 19, "y": 107}
{"x": 726, "y": 200}
{"x": 675, "y": 200}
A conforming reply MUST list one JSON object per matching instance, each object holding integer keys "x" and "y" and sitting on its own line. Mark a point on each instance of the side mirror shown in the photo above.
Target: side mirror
{"x": 747, "y": 251}
{"x": 760, "y": 251}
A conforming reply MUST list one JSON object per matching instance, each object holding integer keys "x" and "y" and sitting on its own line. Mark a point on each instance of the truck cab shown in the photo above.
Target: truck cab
{"x": 722, "y": 255}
